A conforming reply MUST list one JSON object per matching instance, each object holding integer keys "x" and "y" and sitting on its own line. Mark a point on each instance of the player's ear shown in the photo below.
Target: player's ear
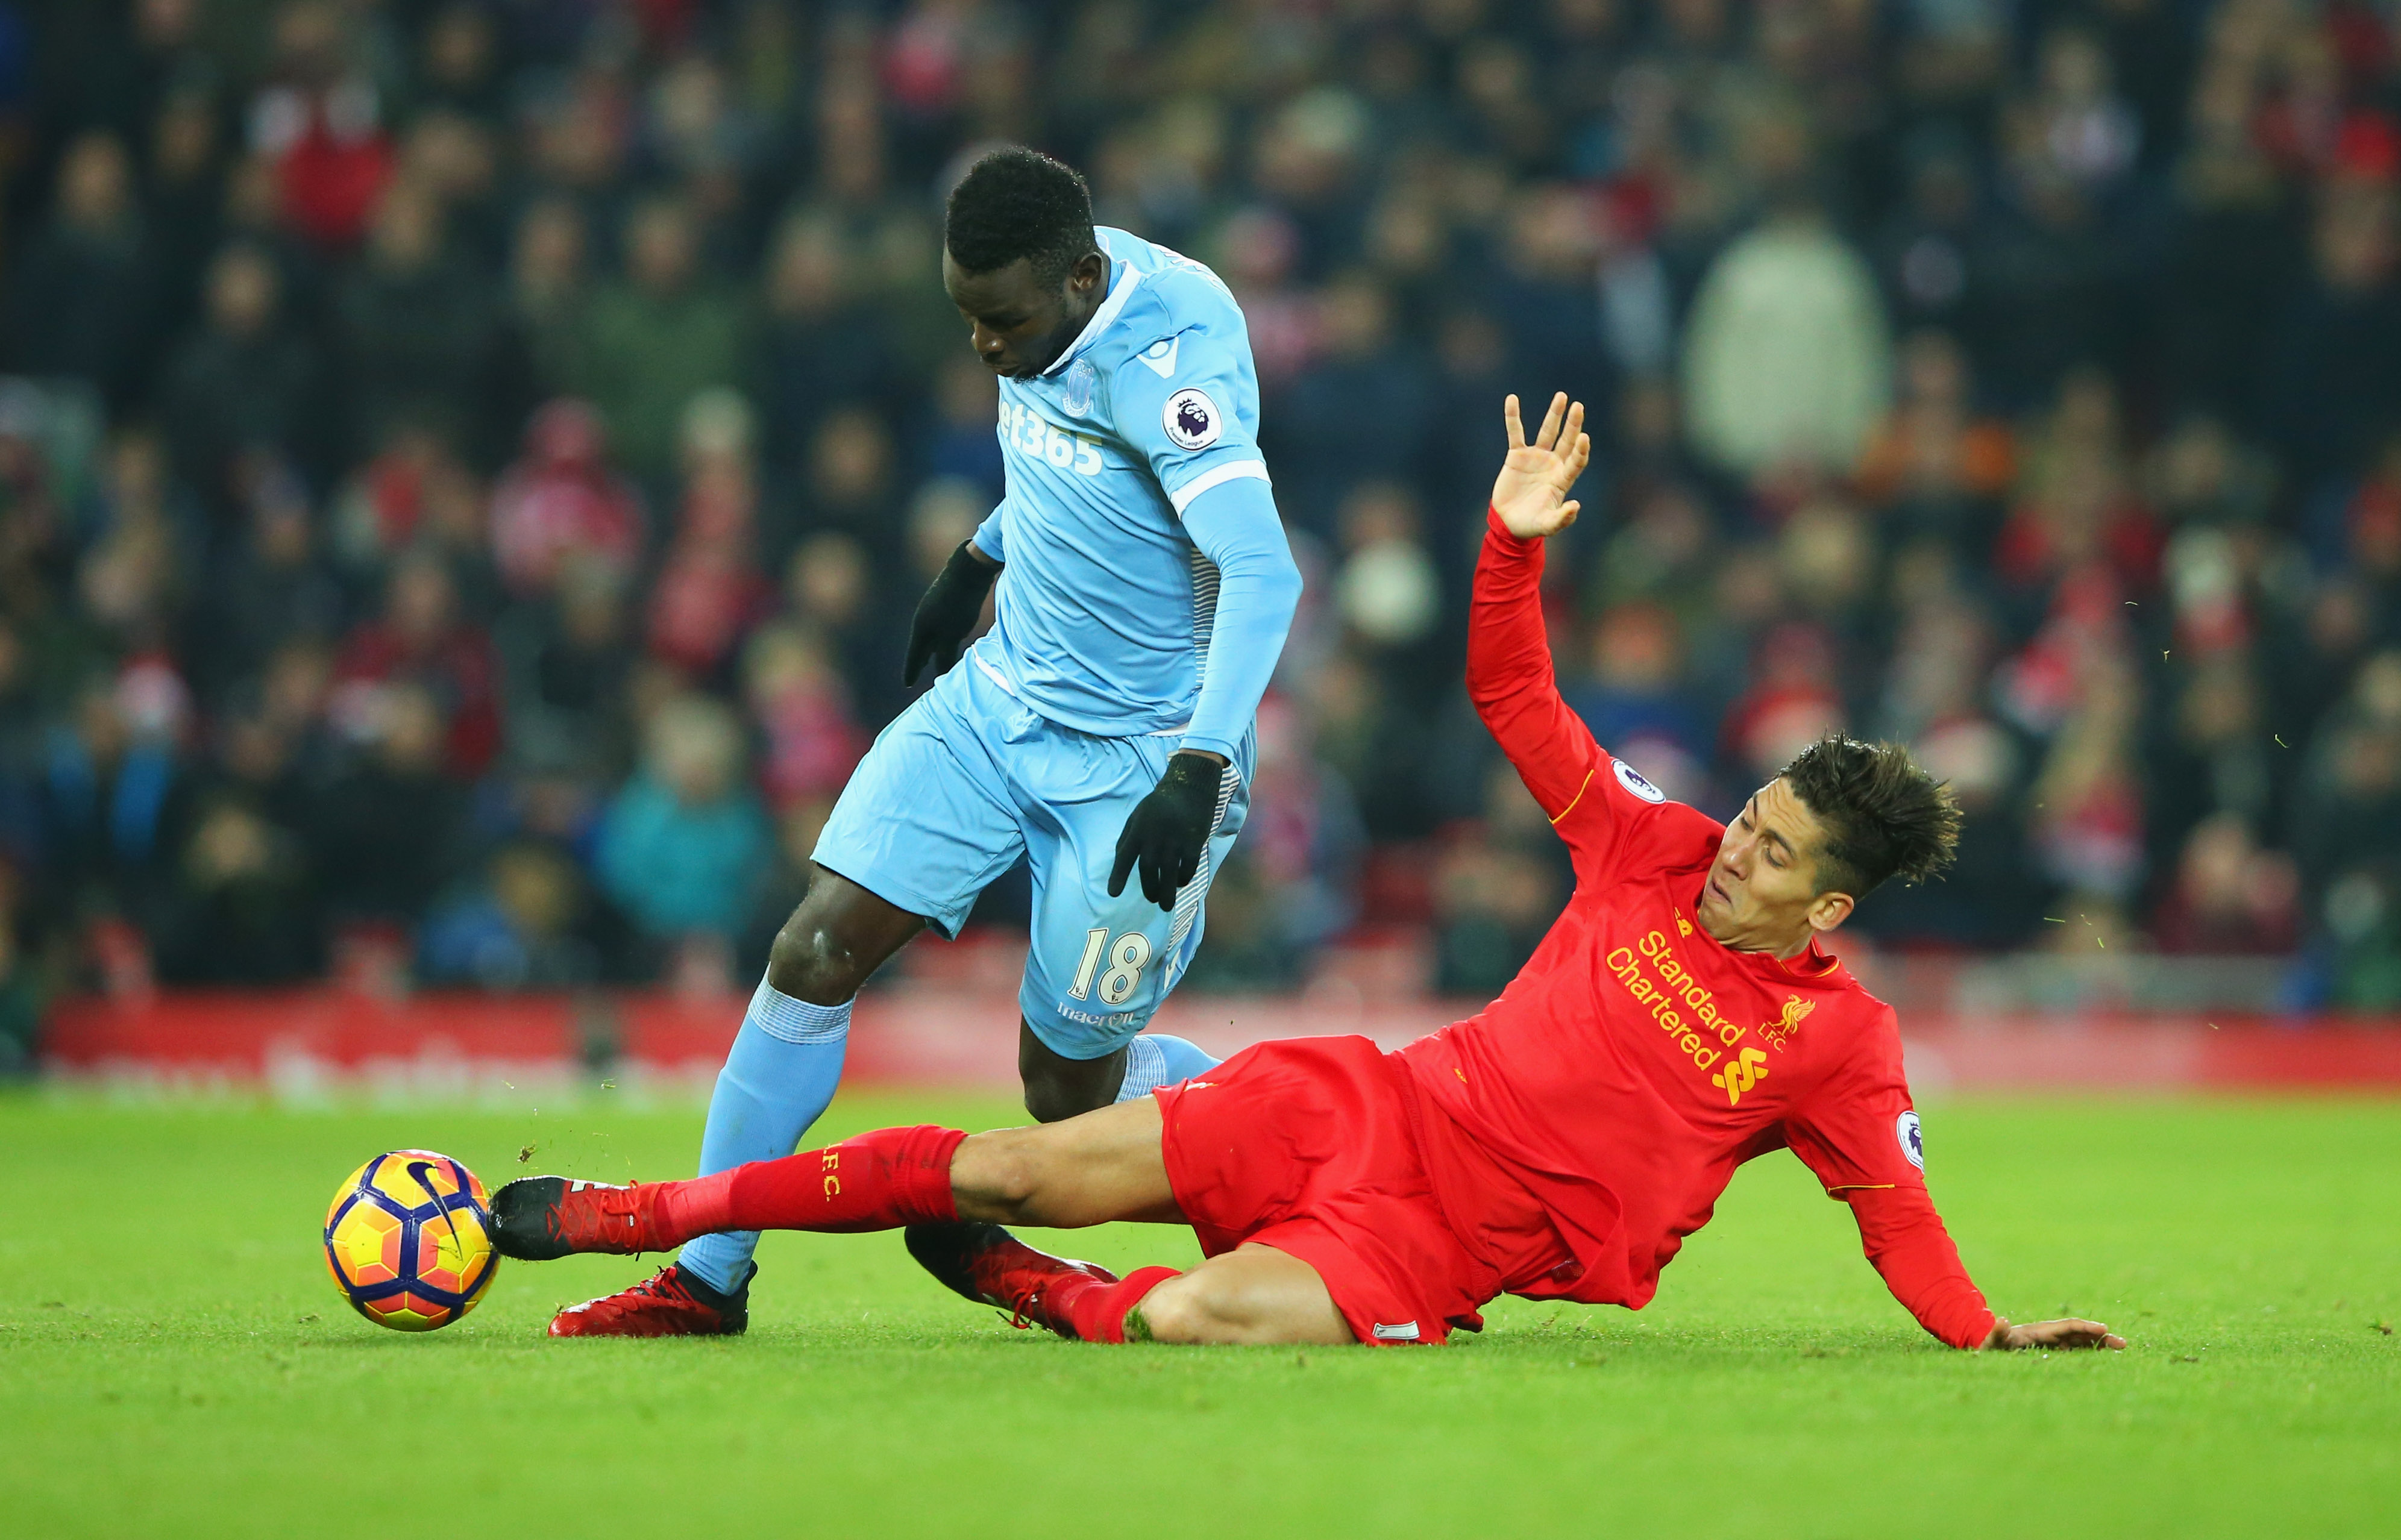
{"x": 1829, "y": 910}
{"x": 1088, "y": 273}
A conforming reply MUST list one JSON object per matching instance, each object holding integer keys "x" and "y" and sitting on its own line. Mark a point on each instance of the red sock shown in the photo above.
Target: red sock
{"x": 876, "y": 1181}
{"x": 1097, "y": 1311}
{"x": 696, "y": 1207}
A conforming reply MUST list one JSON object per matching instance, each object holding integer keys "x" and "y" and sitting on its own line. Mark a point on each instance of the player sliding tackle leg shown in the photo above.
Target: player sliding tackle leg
{"x": 1102, "y": 730}
{"x": 1089, "y": 1170}
{"x": 1102, "y": 1166}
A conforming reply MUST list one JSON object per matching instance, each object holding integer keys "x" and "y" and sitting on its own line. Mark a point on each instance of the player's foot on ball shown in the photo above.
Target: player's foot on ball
{"x": 670, "y": 1303}
{"x": 537, "y": 1219}
{"x": 985, "y": 1263}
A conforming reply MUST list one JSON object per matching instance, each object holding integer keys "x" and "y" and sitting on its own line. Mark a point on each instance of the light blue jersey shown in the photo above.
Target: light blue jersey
{"x": 1144, "y": 596}
{"x": 1146, "y": 590}
{"x": 1105, "y": 603}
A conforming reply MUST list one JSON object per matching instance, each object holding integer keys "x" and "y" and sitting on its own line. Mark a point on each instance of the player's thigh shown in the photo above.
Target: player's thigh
{"x": 1103, "y": 1165}
{"x": 927, "y": 821}
{"x": 1098, "y": 966}
{"x": 1251, "y": 1294}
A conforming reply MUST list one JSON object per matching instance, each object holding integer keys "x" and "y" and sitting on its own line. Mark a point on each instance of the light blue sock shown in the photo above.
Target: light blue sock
{"x": 786, "y": 1062}
{"x": 1154, "y": 1060}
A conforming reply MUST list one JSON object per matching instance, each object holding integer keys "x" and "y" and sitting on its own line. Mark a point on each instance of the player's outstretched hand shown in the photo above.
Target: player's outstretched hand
{"x": 2053, "y": 1334}
{"x": 1169, "y": 829}
{"x": 1531, "y": 493}
{"x": 949, "y": 611}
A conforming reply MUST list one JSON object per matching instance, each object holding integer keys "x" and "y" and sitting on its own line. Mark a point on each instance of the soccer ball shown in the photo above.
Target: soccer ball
{"x": 409, "y": 1240}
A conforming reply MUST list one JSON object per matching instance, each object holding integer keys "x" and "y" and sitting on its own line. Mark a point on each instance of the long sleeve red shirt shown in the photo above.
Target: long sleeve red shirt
{"x": 1635, "y": 1062}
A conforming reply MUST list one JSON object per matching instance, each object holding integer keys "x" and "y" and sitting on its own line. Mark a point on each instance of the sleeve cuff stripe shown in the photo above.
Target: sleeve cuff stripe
{"x": 1232, "y": 470}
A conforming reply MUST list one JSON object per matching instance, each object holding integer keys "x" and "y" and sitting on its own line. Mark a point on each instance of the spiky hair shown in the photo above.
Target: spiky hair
{"x": 1017, "y": 202}
{"x": 1884, "y": 816}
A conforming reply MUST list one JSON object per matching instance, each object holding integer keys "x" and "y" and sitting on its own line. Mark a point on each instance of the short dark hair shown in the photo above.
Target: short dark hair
{"x": 1884, "y": 816}
{"x": 1017, "y": 202}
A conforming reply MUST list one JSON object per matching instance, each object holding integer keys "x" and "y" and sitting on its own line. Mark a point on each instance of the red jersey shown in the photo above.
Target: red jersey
{"x": 1635, "y": 1062}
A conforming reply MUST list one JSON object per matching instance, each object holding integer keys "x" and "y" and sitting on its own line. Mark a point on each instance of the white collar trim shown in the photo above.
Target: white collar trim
{"x": 1123, "y": 282}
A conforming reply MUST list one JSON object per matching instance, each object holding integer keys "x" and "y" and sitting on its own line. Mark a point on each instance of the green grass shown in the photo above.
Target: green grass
{"x": 174, "y": 1362}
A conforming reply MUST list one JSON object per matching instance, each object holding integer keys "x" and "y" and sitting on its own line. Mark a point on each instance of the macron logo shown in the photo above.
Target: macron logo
{"x": 1405, "y": 1332}
{"x": 1160, "y": 357}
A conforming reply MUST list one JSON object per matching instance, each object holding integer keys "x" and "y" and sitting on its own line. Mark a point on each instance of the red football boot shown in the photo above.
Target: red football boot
{"x": 538, "y": 1218}
{"x": 987, "y": 1264}
{"x": 669, "y": 1303}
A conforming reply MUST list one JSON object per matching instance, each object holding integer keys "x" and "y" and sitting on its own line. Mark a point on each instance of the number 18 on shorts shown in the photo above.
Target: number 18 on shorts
{"x": 965, "y": 781}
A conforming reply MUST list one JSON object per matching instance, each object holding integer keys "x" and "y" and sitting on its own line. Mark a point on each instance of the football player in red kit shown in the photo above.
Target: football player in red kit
{"x": 1679, "y": 1020}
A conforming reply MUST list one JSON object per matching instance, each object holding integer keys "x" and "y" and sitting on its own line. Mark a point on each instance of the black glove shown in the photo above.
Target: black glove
{"x": 1169, "y": 829}
{"x": 949, "y": 611}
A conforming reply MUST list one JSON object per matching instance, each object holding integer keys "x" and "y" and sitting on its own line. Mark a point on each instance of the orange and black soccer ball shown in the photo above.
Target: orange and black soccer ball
{"x": 409, "y": 1240}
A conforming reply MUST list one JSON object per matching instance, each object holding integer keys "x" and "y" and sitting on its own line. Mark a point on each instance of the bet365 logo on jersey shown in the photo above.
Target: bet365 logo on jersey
{"x": 1027, "y": 432}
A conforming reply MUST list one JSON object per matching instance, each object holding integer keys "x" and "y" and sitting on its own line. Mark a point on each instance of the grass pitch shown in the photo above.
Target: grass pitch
{"x": 173, "y": 1361}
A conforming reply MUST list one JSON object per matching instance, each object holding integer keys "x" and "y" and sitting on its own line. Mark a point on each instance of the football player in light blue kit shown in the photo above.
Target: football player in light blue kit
{"x": 1102, "y": 730}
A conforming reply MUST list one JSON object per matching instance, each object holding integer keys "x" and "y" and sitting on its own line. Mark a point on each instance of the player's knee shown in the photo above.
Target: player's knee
{"x": 1058, "y": 1089}
{"x": 1056, "y": 1098}
{"x": 809, "y": 961}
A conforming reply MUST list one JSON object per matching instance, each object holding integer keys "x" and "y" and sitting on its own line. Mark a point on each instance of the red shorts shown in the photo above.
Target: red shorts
{"x": 1313, "y": 1146}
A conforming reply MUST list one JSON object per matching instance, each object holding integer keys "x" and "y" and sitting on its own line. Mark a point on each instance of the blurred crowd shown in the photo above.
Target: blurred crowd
{"x": 466, "y": 465}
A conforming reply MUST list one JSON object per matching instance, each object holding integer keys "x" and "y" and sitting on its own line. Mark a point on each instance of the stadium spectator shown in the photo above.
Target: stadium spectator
{"x": 101, "y": 802}
{"x": 2326, "y": 389}
{"x": 1786, "y": 359}
{"x": 1497, "y": 889}
{"x": 246, "y": 381}
{"x": 683, "y": 844}
{"x": 568, "y": 660}
{"x": 85, "y": 292}
{"x": 547, "y": 290}
{"x": 422, "y": 639}
{"x": 648, "y": 343}
{"x": 562, "y": 499}
{"x": 182, "y": 200}
{"x": 1363, "y": 403}
{"x": 825, "y": 345}
{"x": 847, "y": 486}
{"x": 270, "y": 590}
{"x": 393, "y": 826}
{"x": 531, "y": 922}
{"x": 414, "y": 494}
{"x": 1637, "y": 702}
{"x": 320, "y": 119}
{"x": 2348, "y": 811}
{"x": 243, "y": 909}
{"x": 2229, "y": 898}
{"x": 417, "y": 327}
{"x": 709, "y": 592}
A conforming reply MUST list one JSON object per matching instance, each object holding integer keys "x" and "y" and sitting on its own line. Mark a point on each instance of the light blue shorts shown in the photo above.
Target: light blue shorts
{"x": 967, "y": 778}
